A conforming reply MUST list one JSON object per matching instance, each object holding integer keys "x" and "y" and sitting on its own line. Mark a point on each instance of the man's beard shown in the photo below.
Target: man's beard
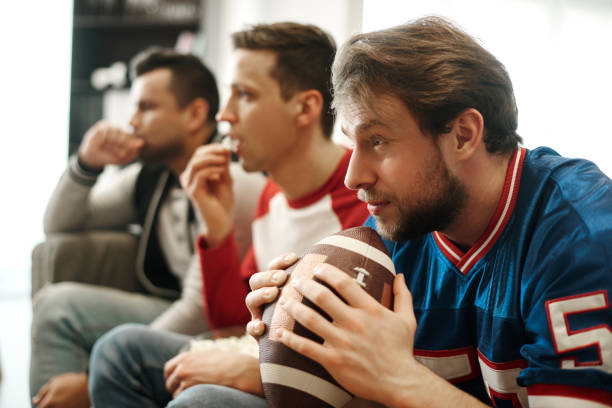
{"x": 433, "y": 212}
{"x": 161, "y": 155}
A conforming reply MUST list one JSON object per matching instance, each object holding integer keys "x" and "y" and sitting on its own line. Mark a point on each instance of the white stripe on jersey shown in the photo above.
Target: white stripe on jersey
{"x": 547, "y": 401}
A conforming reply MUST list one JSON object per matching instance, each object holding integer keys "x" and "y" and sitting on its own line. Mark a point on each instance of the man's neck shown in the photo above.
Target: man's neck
{"x": 484, "y": 182}
{"x": 308, "y": 166}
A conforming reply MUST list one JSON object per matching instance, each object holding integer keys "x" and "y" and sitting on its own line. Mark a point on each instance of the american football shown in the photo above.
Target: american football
{"x": 290, "y": 379}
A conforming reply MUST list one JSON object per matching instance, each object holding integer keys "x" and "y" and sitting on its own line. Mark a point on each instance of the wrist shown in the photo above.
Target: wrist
{"x": 419, "y": 389}
{"x": 216, "y": 235}
{"x": 249, "y": 379}
{"x": 80, "y": 173}
{"x": 87, "y": 164}
{"x": 424, "y": 388}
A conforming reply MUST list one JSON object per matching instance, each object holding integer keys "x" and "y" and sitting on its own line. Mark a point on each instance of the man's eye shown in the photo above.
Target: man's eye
{"x": 242, "y": 93}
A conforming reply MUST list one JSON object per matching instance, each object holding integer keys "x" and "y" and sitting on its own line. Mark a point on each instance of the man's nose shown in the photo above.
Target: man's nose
{"x": 226, "y": 114}
{"x": 134, "y": 120}
{"x": 359, "y": 175}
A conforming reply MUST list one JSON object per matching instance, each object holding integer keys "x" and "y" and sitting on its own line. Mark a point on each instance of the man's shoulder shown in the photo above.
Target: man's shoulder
{"x": 569, "y": 191}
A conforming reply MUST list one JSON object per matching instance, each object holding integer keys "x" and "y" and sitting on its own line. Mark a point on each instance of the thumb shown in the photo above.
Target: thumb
{"x": 402, "y": 298}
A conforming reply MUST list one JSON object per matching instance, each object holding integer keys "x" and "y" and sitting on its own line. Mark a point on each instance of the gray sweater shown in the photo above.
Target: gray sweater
{"x": 84, "y": 201}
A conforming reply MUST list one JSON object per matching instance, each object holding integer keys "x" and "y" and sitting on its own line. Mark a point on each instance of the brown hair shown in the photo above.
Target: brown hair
{"x": 437, "y": 70}
{"x": 190, "y": 77}
{"x": 304, "y": 57}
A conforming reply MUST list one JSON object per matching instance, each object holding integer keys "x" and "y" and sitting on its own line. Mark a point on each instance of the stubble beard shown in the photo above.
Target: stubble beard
{"x": 433, "y": 212}
{"x": 162, "y": 155}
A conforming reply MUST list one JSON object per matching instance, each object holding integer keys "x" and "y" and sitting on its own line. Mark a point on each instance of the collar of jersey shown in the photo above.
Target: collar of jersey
{"x": 336, "y": 178}
{"x": 465, "y": 261}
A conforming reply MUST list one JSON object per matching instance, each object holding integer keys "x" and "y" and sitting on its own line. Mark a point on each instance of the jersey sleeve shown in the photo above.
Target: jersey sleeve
{"x": 225, "y": 282}
{"x": 567, "y": 317}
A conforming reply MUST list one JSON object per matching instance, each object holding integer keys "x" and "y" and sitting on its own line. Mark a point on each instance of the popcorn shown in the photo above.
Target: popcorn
{"x": 229, "y": 143}
{"x": 244, "y": 344}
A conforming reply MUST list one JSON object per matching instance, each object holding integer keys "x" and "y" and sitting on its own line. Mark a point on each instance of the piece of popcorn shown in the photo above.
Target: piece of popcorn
{"x": 229, "y": 143}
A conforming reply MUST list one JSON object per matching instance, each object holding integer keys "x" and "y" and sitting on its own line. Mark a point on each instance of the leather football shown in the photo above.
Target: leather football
{"x": 290, "y": 379}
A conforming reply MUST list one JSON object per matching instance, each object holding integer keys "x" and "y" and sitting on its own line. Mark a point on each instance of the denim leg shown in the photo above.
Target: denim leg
{"x": 68, "y": 318}
{"x": 127, "y": 367}
{"x": 216, "y": 396}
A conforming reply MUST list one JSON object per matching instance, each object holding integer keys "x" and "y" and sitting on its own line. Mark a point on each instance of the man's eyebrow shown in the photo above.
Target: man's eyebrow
{"x": 365, "y": 126}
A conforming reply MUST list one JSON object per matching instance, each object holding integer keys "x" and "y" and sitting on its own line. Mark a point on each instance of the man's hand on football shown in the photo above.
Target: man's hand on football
{"x": 366, "y": 347}
{"x": 264, "y": 289}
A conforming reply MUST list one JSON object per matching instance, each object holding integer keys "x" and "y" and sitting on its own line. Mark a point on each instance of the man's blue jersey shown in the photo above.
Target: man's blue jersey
{"x": 523, "y": 317}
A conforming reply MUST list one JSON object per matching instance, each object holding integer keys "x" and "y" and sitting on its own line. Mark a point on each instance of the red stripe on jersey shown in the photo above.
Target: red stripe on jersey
{"x": 336, "y": 178}
{"x": 512, "y": 397}
{"x": 269, "y": 190}
{"x": 571, "y": 391}
{"x": 507, "y": 365}
{"x": 449, "y": 250}
{"x": 464, "y": 262}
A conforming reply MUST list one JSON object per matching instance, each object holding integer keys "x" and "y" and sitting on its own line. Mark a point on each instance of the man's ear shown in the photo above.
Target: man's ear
{"x": 309, "y": 107}
{"x": 196, "y": 114}
{"x": 466, "y": 134}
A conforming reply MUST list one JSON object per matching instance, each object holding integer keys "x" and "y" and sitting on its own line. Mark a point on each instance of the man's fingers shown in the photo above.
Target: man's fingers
{"x": 171, "y": 365}
{"x": 41, "y": 394}
{"x": 259, "y": 297}
{"x": 255, "y": 328}
{"x": 172, "y": 382}
{"x": 402, "y": 298}
{"x": 283, "y": 261}
{"x": 198, "y": 165}
{"x": 46, "y": 401}
{"x": 268, "y": 278}
{"x": 346, "y": 286}
{"x": 178, "y": 390}
{"x": 303, "y": 346}
{"x": 308, "y": 318}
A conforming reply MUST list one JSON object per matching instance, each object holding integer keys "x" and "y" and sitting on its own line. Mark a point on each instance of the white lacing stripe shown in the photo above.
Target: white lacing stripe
{"x": 354, "y": 245}
{"x": 305, "y": 382}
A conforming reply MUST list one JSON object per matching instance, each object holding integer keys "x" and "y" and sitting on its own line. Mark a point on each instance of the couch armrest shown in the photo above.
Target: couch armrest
{"x": 104, "y": 258}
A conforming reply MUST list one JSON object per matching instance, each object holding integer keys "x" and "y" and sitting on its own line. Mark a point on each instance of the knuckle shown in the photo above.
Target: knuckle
{"x": 334, "y": 359}
{"x": 344, "y": 282}
{"x": 254, "y": 281}
{"x": 275, "y": 263}
{"x": 308, "y": 319}
{"x": 250, "y": 299}
{"x": 319, "y": 297}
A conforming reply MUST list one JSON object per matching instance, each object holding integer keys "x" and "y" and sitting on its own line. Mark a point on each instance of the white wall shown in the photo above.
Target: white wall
{"x": 557, "y": 53}
{"x": 35, "y": 41}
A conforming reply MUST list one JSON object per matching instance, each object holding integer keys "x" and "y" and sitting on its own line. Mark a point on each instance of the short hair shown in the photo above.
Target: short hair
{"x": 191, "y": 79}
{"x": 437, "y": 70}
{"x": 305, "y": 54}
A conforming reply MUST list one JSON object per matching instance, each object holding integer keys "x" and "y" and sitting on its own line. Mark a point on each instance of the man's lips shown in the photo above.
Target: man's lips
{"x": 376, "y": 207}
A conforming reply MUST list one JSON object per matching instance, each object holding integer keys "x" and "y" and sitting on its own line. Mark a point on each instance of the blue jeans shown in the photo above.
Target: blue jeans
{"x": 127, "y": 370}
{"x": 68, "y": 318}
